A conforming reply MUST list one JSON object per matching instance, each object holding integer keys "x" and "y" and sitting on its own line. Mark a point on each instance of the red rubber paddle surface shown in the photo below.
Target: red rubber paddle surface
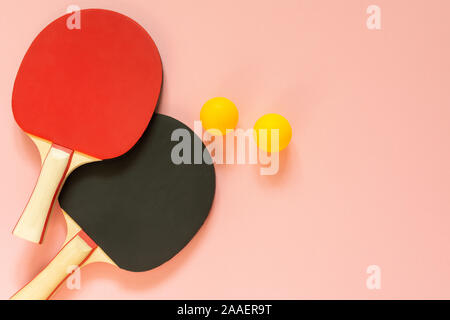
{"x": 92, "y": 89}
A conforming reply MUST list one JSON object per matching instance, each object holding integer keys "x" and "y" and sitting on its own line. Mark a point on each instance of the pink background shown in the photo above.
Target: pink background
{"x": 365, "y": 180}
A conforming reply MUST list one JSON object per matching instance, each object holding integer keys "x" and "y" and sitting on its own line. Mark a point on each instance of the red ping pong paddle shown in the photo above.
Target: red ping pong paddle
{"x": 82, "y": 95}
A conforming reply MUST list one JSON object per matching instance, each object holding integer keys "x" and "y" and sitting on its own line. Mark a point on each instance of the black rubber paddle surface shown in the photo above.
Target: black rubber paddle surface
{"x": 141, "y": 208}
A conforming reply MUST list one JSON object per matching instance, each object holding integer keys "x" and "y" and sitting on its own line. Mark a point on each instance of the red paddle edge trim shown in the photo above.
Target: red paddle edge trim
{"x": 67, "y": 150}
{"x": 88, "y": 241}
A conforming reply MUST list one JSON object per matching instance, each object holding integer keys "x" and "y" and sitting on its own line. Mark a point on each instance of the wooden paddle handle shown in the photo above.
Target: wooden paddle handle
{"x": 32, "y": 223}
{"x": 74, "y": 253}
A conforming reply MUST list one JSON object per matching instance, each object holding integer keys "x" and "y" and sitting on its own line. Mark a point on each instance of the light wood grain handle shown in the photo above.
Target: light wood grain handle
{"x": 31, "y": 225}
{"x": 74, "y": 253}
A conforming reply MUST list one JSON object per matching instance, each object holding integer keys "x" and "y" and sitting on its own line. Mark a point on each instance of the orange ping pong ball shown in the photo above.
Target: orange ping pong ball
{"x": 219, "y": 114}
{"x": 267, "y": 123}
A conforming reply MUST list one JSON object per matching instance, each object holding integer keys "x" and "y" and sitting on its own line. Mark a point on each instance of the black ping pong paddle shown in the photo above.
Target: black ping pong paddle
{"x": 135, "y": 212}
